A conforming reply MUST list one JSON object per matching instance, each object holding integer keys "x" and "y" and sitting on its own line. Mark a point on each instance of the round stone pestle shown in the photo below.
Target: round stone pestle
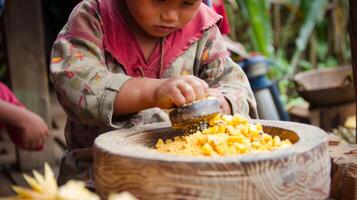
{"x": 194, "y": 116}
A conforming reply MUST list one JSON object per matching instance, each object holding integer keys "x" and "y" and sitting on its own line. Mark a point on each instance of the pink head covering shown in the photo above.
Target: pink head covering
{"x": 121, "y": 44}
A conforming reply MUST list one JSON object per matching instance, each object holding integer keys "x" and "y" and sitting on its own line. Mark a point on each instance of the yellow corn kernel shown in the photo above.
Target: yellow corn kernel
{"x": 221, "y": 148}
{"x": 207, "y": 149}
{"x": 235, "y": 138}
{"x": 244, "y": 129}
{"x": 241, "y": 148}
{"x": 256, "y": 144}
{"x": 233, "y": 131}
{"x": 210, "y": 130}
{"x": 237, "y": 119}
{"x": 286, "y": 143}
{"x": 253, "y": 132}
{"x": 217, "y": 139}
{"x": 227, "y": 118}
{"x": 263, "y": 148}
{"x": 159, "y": 142}
{"x": 276, "y": 141}
{"x": 266, "y": 137}
{"x": 221, "y": 128}
{"x": 270, "y": 143}
{"x": 232, "y": 150}
{"x": 214, "y": 120}
{"x": 202, "y": 140}
{"x": 259, "y": 126}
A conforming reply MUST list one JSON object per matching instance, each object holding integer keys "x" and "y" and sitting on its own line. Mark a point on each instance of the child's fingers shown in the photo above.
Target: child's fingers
{"x": 36, "y": 138}
{"x": 205, "y": 86}
{"x": 37, "y": 144}
{"x": 177, "y": 97}
{"x": 46, "y": 132}
{"x": 187, "y": 91}
{"x": 40, "y": 144}
{"x": 198, "y": 89}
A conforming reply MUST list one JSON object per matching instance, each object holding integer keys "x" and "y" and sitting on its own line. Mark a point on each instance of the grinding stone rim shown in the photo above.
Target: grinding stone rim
{"x": 117, "y": 145}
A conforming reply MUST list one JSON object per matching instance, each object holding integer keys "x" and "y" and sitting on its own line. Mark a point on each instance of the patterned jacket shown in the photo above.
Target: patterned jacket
{"x": 87, "y": 79}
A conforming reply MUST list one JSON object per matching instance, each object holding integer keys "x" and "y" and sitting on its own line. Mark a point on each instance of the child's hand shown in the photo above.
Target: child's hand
{"x": 225, "y": 106}
{"x": 179, "y": 90}
{"x": 30, "y": 131}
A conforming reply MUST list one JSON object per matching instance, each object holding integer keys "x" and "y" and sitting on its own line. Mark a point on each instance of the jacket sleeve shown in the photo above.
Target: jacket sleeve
{"x": 84, "y": 86}
{"x": 219, "y": 70}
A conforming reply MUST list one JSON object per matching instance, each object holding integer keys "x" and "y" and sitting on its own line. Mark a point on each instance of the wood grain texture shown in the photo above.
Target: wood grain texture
{"x": 123, "y": 161}
{"x": 344, "y": 171}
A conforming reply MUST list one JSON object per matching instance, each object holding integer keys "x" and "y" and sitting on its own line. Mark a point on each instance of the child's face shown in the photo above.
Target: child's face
{"x": 161, "y": 17}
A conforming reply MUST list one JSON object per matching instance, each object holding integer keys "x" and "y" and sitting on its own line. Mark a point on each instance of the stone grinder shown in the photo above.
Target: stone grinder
{"x": 194, "y": 116}
{"x": 124, "y": 160}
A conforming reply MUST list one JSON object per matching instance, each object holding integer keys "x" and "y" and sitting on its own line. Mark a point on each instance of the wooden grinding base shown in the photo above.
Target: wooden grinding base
{"x": 123, "y": 161}
{"x": 344, "y": 171}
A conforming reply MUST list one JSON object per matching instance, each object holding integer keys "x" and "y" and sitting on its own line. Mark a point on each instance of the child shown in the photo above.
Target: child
{"x": 117, "y": 63}
{"x": 26, "y": 129}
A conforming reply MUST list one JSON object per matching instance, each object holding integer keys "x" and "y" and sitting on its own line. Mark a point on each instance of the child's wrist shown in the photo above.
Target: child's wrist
{"x": 148, "y": 88}
{"x": 135, "y": 95}
{"x": 152, "y": 88}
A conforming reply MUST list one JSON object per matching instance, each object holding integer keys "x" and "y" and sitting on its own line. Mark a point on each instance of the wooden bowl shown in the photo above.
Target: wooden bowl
{"x": 326, "y": 86}
{"x": 125, "y": 161}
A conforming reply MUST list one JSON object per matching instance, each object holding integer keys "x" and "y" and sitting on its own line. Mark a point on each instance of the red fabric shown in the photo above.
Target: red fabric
{"x": 124, "y": 48}
{"x": 8, "y": 96}
{"x": 218, "y": 6}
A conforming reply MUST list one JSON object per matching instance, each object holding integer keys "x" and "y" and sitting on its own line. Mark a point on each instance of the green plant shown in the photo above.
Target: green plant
{"x": 299, "y": 35}
{"x": 257, "y": 13}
